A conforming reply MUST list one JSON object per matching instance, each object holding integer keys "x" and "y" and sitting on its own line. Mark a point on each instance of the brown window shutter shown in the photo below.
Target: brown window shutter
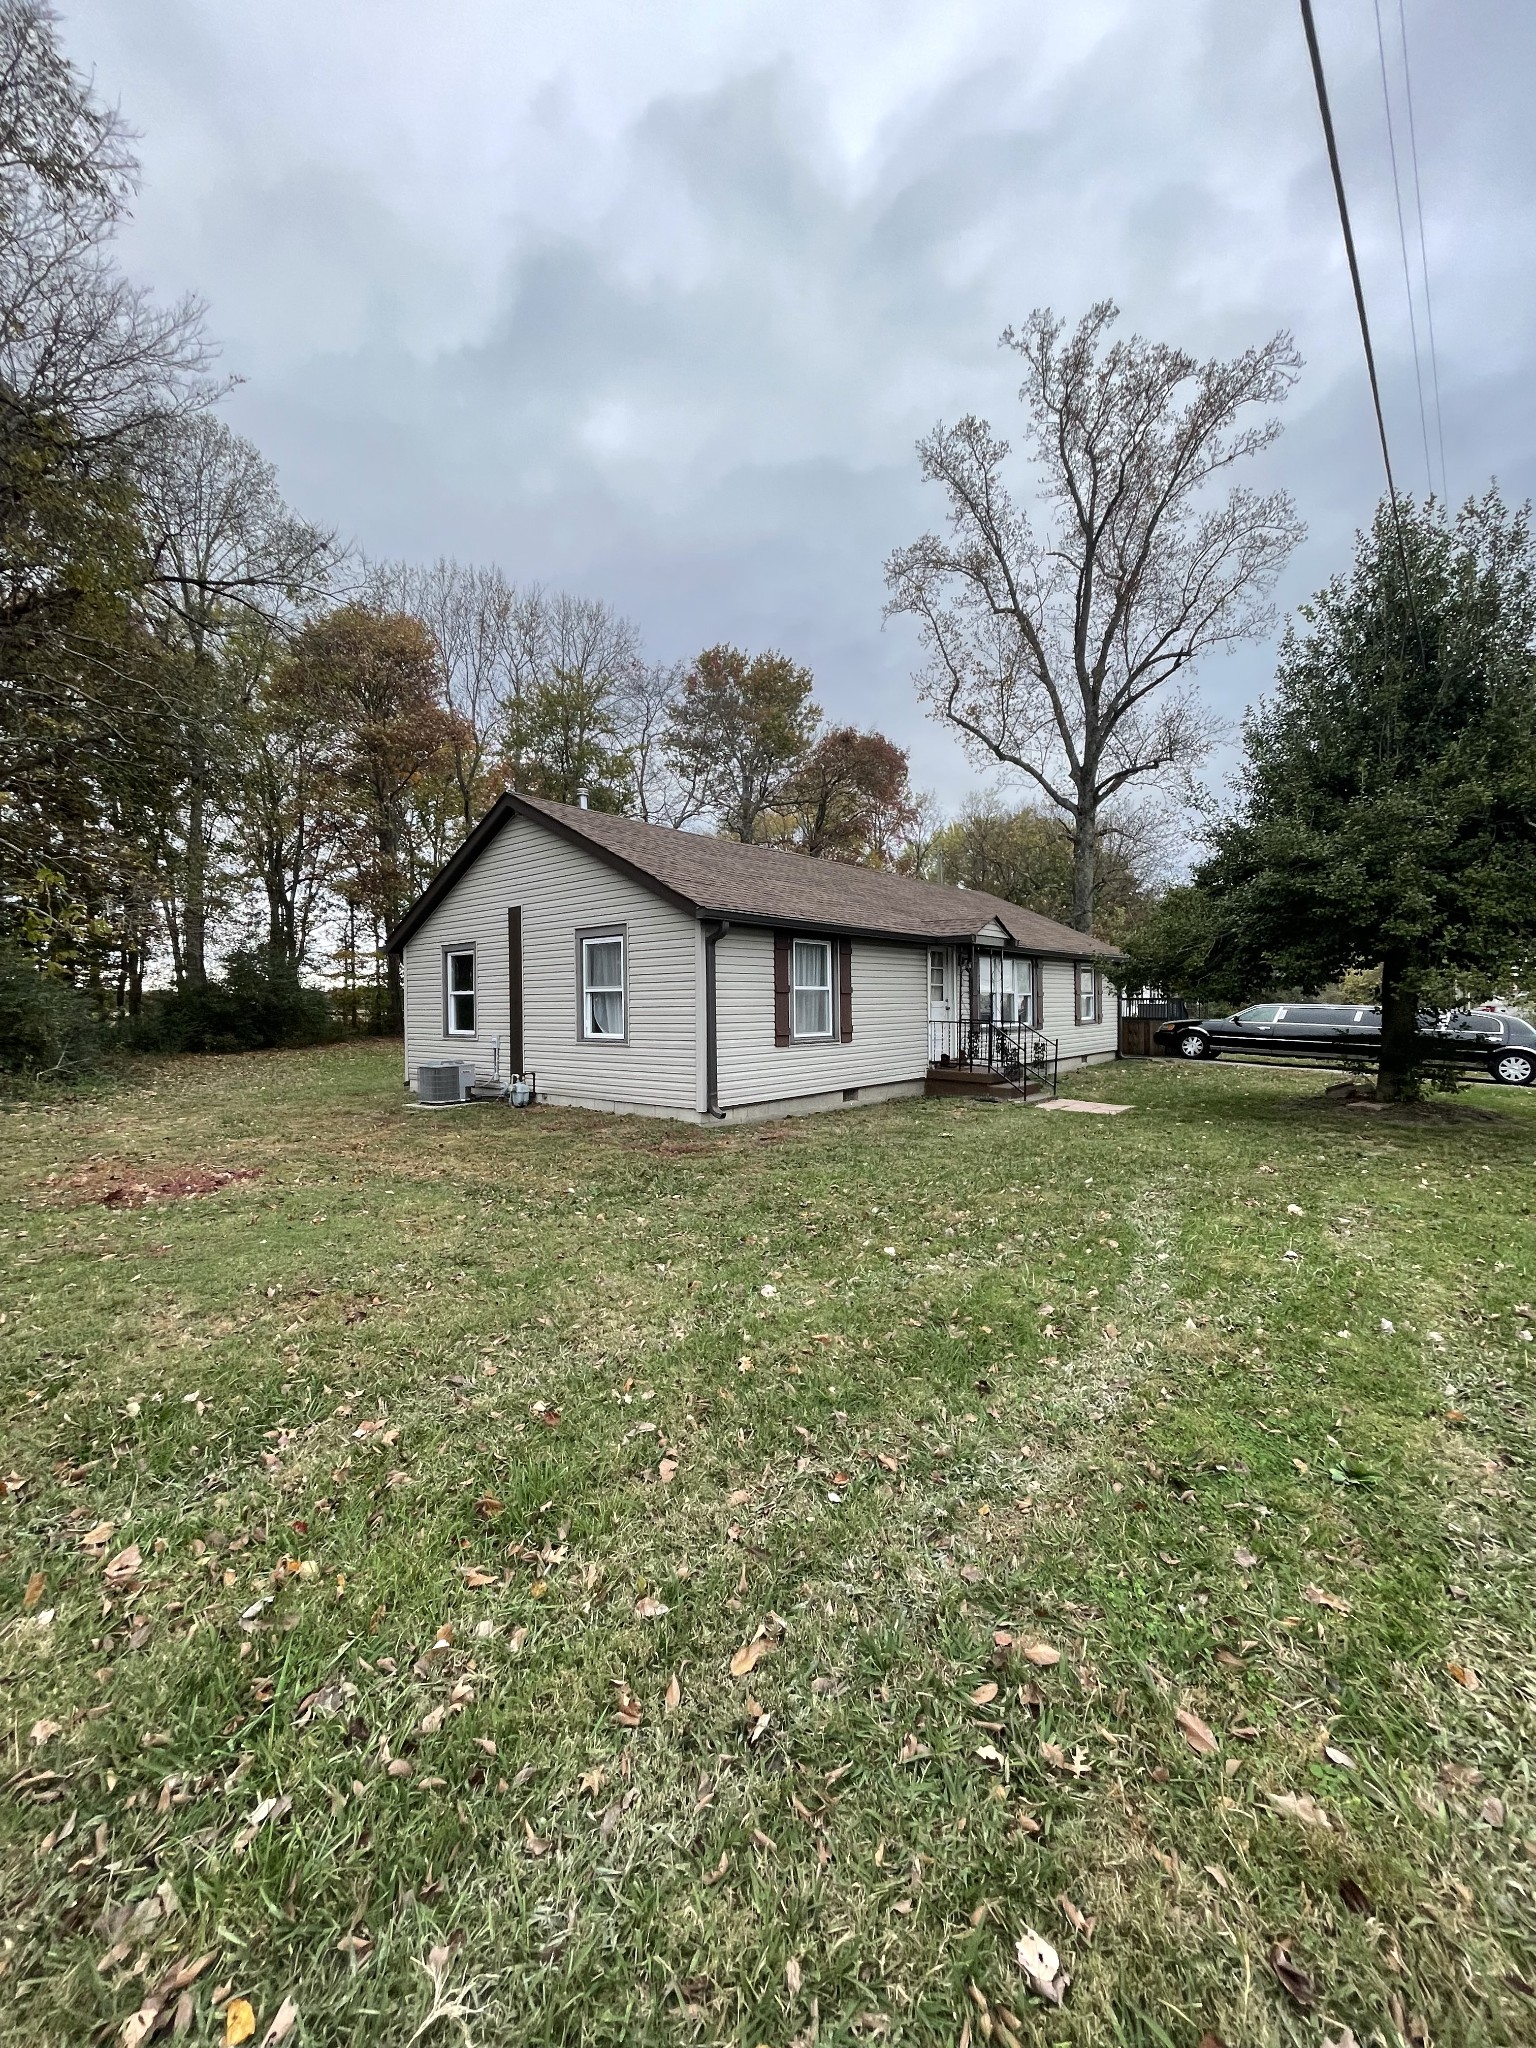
{"x": 1037, "y": 995}
{"x": 845, "y": 989}
{"x": 781, "y": 988}
{"x": 1098, "y": 997}
{"x": 515, "y": 991}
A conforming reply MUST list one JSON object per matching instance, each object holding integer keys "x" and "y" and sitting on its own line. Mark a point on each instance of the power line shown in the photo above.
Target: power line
{"x": 1310, "y": 26}
{"x": 1418, "y": 201}
{"x": 1402, "y": 243}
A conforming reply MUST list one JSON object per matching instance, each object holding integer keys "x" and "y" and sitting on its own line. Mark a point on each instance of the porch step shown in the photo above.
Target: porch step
{"x": 976, "y": 1081}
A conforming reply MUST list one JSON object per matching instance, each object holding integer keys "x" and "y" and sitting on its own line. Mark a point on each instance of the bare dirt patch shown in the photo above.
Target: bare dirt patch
{"x": 115, "y": 1186}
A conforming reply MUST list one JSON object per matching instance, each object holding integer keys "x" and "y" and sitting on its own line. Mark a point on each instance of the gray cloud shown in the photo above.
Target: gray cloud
{"x": 653, "y": 302}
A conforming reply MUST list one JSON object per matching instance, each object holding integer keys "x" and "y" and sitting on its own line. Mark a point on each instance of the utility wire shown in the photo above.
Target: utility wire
{"x": 1310, "y": 26}
{"x": 1402, "y": 243}
{"x": 1418, "y": 201}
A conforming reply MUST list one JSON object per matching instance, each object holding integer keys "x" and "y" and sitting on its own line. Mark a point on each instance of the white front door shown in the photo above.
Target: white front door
{"x": 941, "y": 985}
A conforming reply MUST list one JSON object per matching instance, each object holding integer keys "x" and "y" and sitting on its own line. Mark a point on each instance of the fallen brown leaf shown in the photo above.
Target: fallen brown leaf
{"x": 34, "y": 1590}
{"x": 44, "y": 1731}
{"x": 1293, "y": 1978}
{"x": 750, "y": 1654}
{"x": 1299, "y": 1806}
{"x": 284, "y": 2021}
{"x": 674, "y": 1694}
{"x": 666, "y": 1471}
{"x": 1321, "y": 1599}
{"x": 1076, "y": 1919}
{"x": 123, "y": 1569}
{"x": 649, "y": 1608}
{"x": 1201, "y": 1738}
{"x": 1463, "y": 1674}
{"x": 984, "y": 1695}
{"x": 1039, "y": 1653}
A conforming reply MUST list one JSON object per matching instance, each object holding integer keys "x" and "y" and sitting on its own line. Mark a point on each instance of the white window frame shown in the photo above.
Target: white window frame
{"x": 797, "y": 988}
{"x": 1087, "y": 993}
{"x": 606, "y": 935}
{"x": 1015, "y": 968}
{"x": 938, "y": 975}
{"x": 451, "y": 1028}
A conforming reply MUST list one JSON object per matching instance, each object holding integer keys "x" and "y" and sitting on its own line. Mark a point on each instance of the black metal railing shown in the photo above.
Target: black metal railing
{"x": 984, "y": 1046}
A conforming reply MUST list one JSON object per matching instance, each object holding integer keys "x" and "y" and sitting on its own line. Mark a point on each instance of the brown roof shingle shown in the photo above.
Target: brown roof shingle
{"x": 763, "y": 884}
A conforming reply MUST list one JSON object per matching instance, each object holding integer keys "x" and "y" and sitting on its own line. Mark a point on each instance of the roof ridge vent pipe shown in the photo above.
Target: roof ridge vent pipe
{"x": 581, "y": 799}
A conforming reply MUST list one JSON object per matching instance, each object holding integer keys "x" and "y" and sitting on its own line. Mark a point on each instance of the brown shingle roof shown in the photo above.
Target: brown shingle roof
{"x": 763, "y": 884}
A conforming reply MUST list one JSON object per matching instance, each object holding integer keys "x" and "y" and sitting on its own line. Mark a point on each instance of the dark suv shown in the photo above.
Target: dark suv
{"x": 1501, "y": 1046}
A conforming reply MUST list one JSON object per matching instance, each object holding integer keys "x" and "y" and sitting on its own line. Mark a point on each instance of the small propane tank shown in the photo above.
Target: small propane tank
{"x": 521, "y": 1093}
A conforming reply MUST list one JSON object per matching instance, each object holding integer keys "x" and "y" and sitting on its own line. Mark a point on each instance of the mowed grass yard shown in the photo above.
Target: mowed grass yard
{"x": 548, "y": 1578}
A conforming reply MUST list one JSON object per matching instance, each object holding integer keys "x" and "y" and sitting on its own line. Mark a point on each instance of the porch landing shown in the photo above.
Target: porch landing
{"x": 973, "y": 1081}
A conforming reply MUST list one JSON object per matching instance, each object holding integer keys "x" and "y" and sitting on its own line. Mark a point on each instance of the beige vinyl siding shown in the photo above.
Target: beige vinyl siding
{"x": 890, "y": 1023}
{"x": 562, "y": 889}
{"x": 1077, "y": 1041}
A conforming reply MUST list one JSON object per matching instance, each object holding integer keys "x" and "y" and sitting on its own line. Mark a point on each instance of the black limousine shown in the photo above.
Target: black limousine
{"x": 1492, "y": 1042}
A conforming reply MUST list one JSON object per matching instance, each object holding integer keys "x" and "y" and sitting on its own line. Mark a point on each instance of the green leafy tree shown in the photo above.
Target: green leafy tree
{"x": 564, "y": 734}
{"x": 739, "y": 729}
{"x": 1025, "y": 855}
{"x": 372, "y": 683}
{"x": 1387, "y": 809}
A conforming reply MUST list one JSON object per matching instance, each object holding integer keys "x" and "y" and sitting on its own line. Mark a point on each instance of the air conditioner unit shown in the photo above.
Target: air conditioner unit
{"x": 440, "y": 1083}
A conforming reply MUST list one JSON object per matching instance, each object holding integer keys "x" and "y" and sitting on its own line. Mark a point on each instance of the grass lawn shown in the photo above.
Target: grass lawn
{"x": 569, "y": 1579}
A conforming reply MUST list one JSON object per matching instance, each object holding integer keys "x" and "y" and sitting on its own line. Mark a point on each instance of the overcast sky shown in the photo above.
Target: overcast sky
{"x": 650, "y": 301}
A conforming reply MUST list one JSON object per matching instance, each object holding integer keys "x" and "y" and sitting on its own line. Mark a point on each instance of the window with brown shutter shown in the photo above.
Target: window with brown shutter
{"x": 845, "y": 990}
{"x": 1036, "y": 996}
{"x": 781, "y": 1032}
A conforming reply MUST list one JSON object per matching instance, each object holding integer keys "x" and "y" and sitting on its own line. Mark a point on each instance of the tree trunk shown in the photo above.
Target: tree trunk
{"x": 1085, "y": 867}
{"x": 195, "y": 914}
{"x": 1397, "y": 1072}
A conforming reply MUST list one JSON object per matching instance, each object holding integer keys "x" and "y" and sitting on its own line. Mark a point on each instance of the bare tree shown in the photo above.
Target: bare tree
{"x": 469, "y": 613}
{"x": 1062, "y": 649}
{"x": 647, "y": 697}
{"x": 77, "y": 341}
{"x": 227, "y": 554}
{"x": 563, "y": 643}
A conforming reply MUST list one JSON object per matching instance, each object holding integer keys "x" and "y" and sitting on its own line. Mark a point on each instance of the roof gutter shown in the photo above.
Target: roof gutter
{"x": 714, "y": 932}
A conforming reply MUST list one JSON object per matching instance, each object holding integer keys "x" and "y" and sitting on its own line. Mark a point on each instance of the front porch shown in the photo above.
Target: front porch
{"x": 969, "y": 1056}
{"x": 984, "y": 1011}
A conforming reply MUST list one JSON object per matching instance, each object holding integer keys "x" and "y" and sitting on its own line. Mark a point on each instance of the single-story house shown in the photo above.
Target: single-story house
{"x": 631, "y": 967}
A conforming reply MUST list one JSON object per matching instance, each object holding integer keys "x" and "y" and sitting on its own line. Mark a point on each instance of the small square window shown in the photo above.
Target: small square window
{"x": 459, "y": 991}
{"x": 602, "y": 986}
